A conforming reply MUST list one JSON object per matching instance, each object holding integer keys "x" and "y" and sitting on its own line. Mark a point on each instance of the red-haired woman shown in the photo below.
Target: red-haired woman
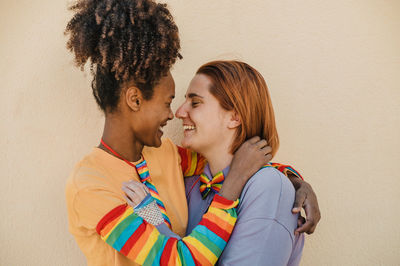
{"x": 226, "y": 103}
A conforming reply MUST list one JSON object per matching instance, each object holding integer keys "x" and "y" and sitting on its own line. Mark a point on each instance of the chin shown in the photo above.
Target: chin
{"x": 185, "y": 143}
{"x": 190, "y": 145}
{"x": 157, "y": 143}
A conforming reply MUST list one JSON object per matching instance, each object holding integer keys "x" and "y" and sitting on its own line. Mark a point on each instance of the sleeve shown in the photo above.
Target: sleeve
{"x": 286, "y": 169}
{"x": 92, "y": 203}
{"x": 262, "y": 235}
{"x": 192, "y": 163}
{"x": 141, "y": 242}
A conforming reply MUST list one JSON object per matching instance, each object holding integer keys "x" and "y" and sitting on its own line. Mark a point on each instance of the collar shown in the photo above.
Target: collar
{"x": 207, "y": 171}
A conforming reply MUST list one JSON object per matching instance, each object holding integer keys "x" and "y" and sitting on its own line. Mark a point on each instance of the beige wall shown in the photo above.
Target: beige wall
{"x": 333, "y": 68}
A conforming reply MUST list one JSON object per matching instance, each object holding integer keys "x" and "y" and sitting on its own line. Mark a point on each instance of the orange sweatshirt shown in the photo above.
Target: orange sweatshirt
{"x": 94, "y": 188}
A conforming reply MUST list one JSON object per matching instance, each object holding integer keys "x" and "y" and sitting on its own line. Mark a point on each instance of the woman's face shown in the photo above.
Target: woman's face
{"x": 206, "y": 124}
{"x": 155, "y": 113}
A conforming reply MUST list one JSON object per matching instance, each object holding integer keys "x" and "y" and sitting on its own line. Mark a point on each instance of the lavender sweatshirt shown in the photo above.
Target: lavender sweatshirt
{"x": 264, "y": 231}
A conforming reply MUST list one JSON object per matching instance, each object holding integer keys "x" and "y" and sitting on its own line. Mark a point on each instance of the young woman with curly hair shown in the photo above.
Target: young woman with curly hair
{"x": 131, "y": 47}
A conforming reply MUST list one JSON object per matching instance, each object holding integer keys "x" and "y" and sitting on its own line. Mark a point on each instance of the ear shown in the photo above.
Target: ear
{"x": 133, "y": 98}
{"x": 234, "y": 121}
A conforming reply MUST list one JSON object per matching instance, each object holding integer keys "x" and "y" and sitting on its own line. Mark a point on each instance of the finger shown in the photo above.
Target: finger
{"x": 307, "y": 227}
{"x": 300, "y": 221}
{"x": 144, "y": 189}
{"x": 129, "y": 193}
{"x": 261, "y": 144}
{"x": 254, "y": 140}
{"x": 140, "y": 193}
{"x": 266, "y": 150}
{"x": 313, "y": 215}
{"x": 139, "y": 189}
{"x": 299, "y": 201}
{"x": 268, "y": 158}
{"x": 130, "y": 203}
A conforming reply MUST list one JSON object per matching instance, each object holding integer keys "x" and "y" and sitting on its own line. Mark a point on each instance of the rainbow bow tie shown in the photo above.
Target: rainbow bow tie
{"x": 214, "y": 184}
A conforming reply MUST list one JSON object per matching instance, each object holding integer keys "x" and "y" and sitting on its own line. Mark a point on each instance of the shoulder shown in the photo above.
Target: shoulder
{"x": 267, "y": 191}
{"x": 89, "y": 177}
{"x": 269, "y": 180}
{"x": 87, "y": 172}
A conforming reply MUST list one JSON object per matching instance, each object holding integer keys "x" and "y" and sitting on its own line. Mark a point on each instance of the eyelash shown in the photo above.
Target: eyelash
{"x": 194, "y": 104}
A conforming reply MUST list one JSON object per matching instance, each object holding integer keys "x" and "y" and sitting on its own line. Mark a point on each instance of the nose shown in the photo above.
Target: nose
{"x": 181, "y": 111}
{"x": 171, "y": 114}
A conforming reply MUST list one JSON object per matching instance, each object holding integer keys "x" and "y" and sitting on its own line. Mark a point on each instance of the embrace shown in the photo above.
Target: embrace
{"x": 139, "y": 199}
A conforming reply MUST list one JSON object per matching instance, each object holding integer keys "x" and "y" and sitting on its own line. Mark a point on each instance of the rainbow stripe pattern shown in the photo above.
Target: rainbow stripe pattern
{"x": 214, "y": 184}
{"x": 285, "y": 169}
{"x": 141, "y": 242}
{"x": 192, "y": 163}
{"x": 146, "y": 180}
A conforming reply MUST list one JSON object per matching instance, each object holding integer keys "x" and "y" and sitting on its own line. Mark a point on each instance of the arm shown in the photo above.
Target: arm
{"x": 264, "y": 233}
{"x": 200, "y": 248}
{"x": 141, "y": 242}
{"x": 193, "y": 163}
{"x": 305, "y": 198}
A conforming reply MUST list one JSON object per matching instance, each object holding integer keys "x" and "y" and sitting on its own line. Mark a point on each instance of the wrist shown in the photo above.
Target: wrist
{"x": 296, "y": 181}
{"x": 232, "y": 188}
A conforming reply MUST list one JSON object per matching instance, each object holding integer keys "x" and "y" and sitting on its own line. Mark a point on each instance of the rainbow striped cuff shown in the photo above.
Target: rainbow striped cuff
{"x": 285, "y": 169}
{"x": 141, "y": 242}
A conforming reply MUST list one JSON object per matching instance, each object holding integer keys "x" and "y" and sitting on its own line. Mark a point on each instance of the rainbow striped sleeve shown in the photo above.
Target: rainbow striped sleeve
{"x": 192, "y": 163}
{"x": 286, "y": 169}
{"x": 141, "y": 242}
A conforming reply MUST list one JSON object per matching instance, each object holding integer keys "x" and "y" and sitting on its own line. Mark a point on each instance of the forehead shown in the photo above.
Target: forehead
{"x": 165, "y": 89}
{"x": 200, "y": 85}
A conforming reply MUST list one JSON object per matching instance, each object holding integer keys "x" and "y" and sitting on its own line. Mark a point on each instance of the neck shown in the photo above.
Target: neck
{"x": 218, "y": 160}
{"x": 121, "y": 139}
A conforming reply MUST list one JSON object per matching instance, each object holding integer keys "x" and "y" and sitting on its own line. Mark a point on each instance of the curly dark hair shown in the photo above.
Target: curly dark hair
{"x": 124, "y": 40}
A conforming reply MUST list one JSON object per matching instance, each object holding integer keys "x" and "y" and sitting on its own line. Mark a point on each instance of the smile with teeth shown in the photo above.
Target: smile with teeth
{"x": 187, "y": 127}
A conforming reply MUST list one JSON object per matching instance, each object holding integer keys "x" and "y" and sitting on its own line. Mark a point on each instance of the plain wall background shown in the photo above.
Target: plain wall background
{"x": 333, "y": 69}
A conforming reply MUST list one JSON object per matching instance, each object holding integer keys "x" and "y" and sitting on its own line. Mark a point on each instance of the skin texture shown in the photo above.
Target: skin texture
{"x": 149, "y": 116}
{"x": 214, "y": 127}
{"x": 137, "y": 122}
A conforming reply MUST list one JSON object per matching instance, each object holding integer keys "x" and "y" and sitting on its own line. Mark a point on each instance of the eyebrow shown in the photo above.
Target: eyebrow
{"x": 192, "y": 95}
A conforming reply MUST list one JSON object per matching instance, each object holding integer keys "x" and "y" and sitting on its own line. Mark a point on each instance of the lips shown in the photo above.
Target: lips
{"x": 161, "y": 126}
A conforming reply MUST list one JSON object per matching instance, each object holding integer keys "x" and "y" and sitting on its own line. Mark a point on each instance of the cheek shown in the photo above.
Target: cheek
{"x": 207, "y": 123}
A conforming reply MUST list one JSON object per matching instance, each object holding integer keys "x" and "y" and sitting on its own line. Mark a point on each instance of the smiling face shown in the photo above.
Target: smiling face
{"x": 154, "y": 114}
{"x": 207, "y": 126}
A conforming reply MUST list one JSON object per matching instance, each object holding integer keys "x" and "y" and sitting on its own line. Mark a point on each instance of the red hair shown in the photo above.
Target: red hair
{"x": 239, "y": 87}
